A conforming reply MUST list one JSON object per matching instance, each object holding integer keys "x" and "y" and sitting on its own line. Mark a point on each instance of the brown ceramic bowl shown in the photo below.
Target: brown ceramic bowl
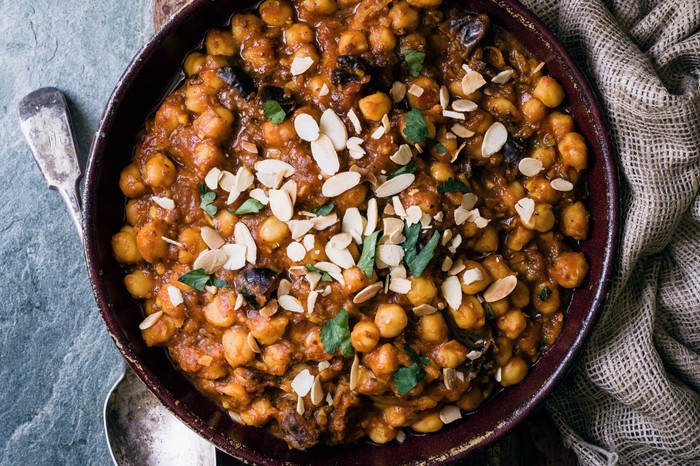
{"x": 154, "y": 73}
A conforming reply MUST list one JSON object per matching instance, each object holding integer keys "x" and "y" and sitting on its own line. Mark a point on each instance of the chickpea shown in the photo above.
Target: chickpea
{"x": 471, "y": 400}
{"x": 149, "y": 241}
{"x": 191, "y": 238}
{"x": 130, "y": 181}
{"x": 540, "y": 190}
{"x": 503, "y": 109}
{"x": 124, "y": 247}
{"x": 261, "y": 56}
{"x": 520, "y": 296}
{"x": 306, "y": 51}
{"x": 441, "y": 171}
{"x": 275, "y": 12}
{"x": 215, "y": 123}
{"x": 220, "y": 311}
{"x": 198, "y": 97}
{"x": 243, "y": 25}
{"x": 542, "y": 219}
{"x": 430, "y": 96}
{"x": 533, "y": 110}
{"x": 450, "y": 354}
{"x": 428, "y": 201}
{"x": 207, "y": 155}
{"x": 426, "y": 4}
{"x": 500, "y": 307}
{"x": 355, "y": 280}
{"x": 569, "y": 269}
{"x": 549, "y": 91}
{"x": 428, "y": 423}
{"x": 322, "y": 7}
{"x": 268, "y": 331}
{"x": 225, "y": 222}
{"x": 546, "y": 155}
{"x": 432, "y": 328}
{"x": 496, "y": 267}
{"x": 273, "y": 231}
{"x": 518, "y": 238}
{"x": 279, "y": 135}
{"x": 423, "y": 291}
{"x": 160, "y": 332}
{"x": 133, "y": 212}
{"x": 574, "y": 221}
{"x": 504, "y": 350}
{"x": 278, "y": 357}
{"x": 298, "y": 33}
{"x": 574, "y": 151}
{"x": 477, "y": 286}
{"x": 236, "y": 349}
{"x": 171, "y": 115}
{"x": 403, "y": 17}
{"x": 381, "y": 433}
{"x": 352, "y": 42}
{"x": 514, "y": 372}
{"x": 390, "y": 319}
{"x": 546, "y": 298}
{"x": 365, "y": 336}
{"x": 488, "y": 241}
{"x": 512, "y": 323}
{"x": 139, "y": 285}
{"x": 220, "y": 42}
{"x": 382, "y": 39}
{"x": 193, "y": 63}
{"x": 375, "y": 106}
{"x": 470, "y": 314}
{"x": 560, "y": 124}
{"x": 383, "y": 360}
{"x": 315, "y": 85}
{"x": 353, "y": 197}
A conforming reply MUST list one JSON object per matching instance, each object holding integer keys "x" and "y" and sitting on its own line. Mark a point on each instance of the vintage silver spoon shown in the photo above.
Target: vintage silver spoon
{"x": 140, "y": 431}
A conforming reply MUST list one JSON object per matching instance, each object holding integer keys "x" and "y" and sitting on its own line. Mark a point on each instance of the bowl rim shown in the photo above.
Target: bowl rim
{"x": 238, "y": 450}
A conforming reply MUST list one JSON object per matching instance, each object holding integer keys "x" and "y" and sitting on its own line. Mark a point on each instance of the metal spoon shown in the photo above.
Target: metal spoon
{"x": 139, "y": 430}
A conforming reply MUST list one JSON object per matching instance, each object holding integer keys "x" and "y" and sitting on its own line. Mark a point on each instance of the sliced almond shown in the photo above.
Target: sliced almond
{"x": 500, "y": 288}
{"x": 212, "y": 178}
{"x": 400, "y": 436}
{"x": 338, "y": 184}
{"x": 325, "y": 155}
{"x": 525, "y": 207}
{"x": 253, "y": 343}
{"x": 400, "y": 285}
{"x": 398, "y": 91}
{"x": 291, "y": 187}
{"x": 354, "y": 372}
{"x": 242, "y": 235}
{"x": 398, "y": 207}
{"x": 474, "y": 355}
{"x": 332, "y": 126}
{"x": 313, "y": 278}
{"x": 172, "y": 241}
{"x": 390, "y": 254}
{"x": 449, "y": 376}
{"x": 372, "y": 216}
{"x": 164, "y": 202}
{"x": 424, "y": 310}
{"x": 249, "y": 147}
{"x": 297, "y": 271}
{"x": 281, "y": 204}
{"x": 340, "y": 241}
{"x": 309, "y": 242}
{"x": 452, "y": 292}
{"x": 353, "y": 224}
{"x": 342, "y": 257}
{"x": 296, "y": 251}
{"x": 472, "y": 81}
{"x": 311, "y": 301}
{"x": 444, "y": 97}
{"x": 367, "y": 293}
{"x": 464, "y": 105}
{"x": 413, "y": 214}
{"x": 290, "y": 303}
{"x": 301, "y": 409}
{"x": 302, "y": 382}
{"x": 321, "y": 223}
{"x": 386, "y": 122}
{"x": 327, "y": 267}
{"x": 529, "y": 166}
{"x": 395, "y": 185}
{"x": 403, "y": 155}
{"x": 300, "y": 65}
{"x": 458, "y": 266}
{"x": 210, "y": 260}
{"x": 446, "y": 264}
{"x": 538, "y": 68}
{"x": 472, "y": 275}
{"x": 494, "y": 139}
{"x": 299, "y": 228}
{"x": 453, "y": 115}
{"x": 502, "y": 77}
{"x": 355, "y": 121}
{"x": 561, "y": 184}
{"x": 227, "y": 181}
{"x": 378, "y": 133}
{"x": 269, "y": 309}
{"x": 415, "y": 90}
{"x": 316, "y": 392}
{"x": 329, "y": 399}
{"x": 151, "y": 320}
{"x": 212, "y": 238}
{"x": 306, "y": 127}
{"x": 355, "y": 148}
{"x": 175, "y": 295}
{"x": 239, "y": 302}
{"x": 284, "y": 287}
{"x": 461, "y": 131}
{"x": 323, "y": 365}
{"x": 274, "y": 166}
{"x": 450, "y": 414}
{"x": 324, "y": 90}
{"x": 469, "y": 200}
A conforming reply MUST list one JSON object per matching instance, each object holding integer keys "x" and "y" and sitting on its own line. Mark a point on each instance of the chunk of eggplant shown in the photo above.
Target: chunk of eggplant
{"x": 238, "y": 78}
{"x": 469, "y": 30}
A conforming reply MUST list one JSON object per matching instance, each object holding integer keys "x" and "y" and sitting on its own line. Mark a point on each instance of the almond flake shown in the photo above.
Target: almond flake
{"x": 302, "y": 382}
{"x": 452, "y": 292}
{"x": 446, "y": 264}
{"x": 212, "y": 178}
{"x": 456, "y": 241}
{"x": 212, "y": 238}
{"x": 321, "y": 223}
{"x": 253, "y": 343}
{"x": 324, "y": 90}
{"x": 329, "y": 399}
{"x": 395, "y": 185}
{"x": 342, "y": 257}
{"x": 415, "y": 90}
{"x": 355, "y": 121}
{"x": 398, "y": 91}
{"x": 561, "y": 184}
{"x": 172, "y": 241}
{"x": 379, "y": 132}
{"x": 464, "y": 105}
{"x": 327, "y": 267}
{"x": 332, "y": 126}
{"x": 472, "y": 81}
{"x": 354, "y": 372}
{"x": 390, "y": 254}
{"x": 164, "y": 202}
{"x": 300, "y": 406}
{"x": 296, "y": 251}
{"x": 284, "y": 287}
{"x": 469, "y": 200}
{"x": 300, "y": 65}
{"x": 227, "y": 180}
{"x": 403, "y": 155}
{"x": 242, "y": 235}
{"x": 325, "y": 155}
{"x": 444, "y": 97}
{"x": 291, "y": 187}
{"x": 450, "y": 414}
{"x": 472, "y": 275}
{"x": 299, "y": 228}
{"x": 525, "y": 207}
{"x": 454, "y": 115}
{"x": 529, "y": 166}
{"x": 494, "y": 139}
{"x": 309, "y": 242}
{"x": 446, "y": 237}
{"x": 150, "y": 321}
{"x": 290, "y": 303}
{"x": 500, "y": 288}
{"x": 239, "y": 302}
{"x": 474, "y": 355}
{"x": 281, "y": 204}
{"x": 340, "y": 241}
{"x": 274, "y": 166}
{"x": 210, "y": 260}
{"x": 458, "y": 266}
{"x": 538, "y": 68}
{"x": 297, "y": 271}
{"x": 269, "y": 309}
{"x": 313, "y": 278}
{"x": 400, "y": 436}
{"x": 323, "y": 365}
{"x": 424, "y": 310}
{"x": 398, "y": 207}
{"x": 367, "y": 293}
{"x": 249, "y": 147}
{"x": 449, "y": 376}
{"x": 502, "y": 77}
{"x": 372, "y": 216}
{"x": 414, "y": 214}
{"x": 316, "y": 392}
{"x": 400, "y": 285}
{"x": 311, "y": 301}
{"x": 306, "y": 127}
{"x": 338, "y": 184}
{"x": 355, "y": 149}
{"x": 205, "y": 360}
{"x": 392, "y": 226}
{"x": 175, "y": 295}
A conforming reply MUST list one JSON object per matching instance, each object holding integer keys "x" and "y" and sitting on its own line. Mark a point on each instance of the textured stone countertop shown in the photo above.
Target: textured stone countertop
{"x": 57, "y": 362}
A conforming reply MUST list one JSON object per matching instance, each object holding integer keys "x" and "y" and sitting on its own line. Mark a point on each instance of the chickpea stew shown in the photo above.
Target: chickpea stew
{"x": 356, "y": 219}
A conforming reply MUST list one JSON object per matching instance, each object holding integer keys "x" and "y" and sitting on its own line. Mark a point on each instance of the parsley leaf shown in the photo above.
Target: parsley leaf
{"x": 406, "y": 378}
{"x": 206, "y": 199}
{"x": 251, "y": 206}
{"x": 414, "y": 356}
{"x": 323, "y": 210}
{"x": 416, "y": 130}
{"x": 418, "y": 261}
{"x": 489, "y": 312}
{"x": 198, "y": 279}
{"x": 544, "y": 294}
{"x": 336, "y": 333}
{"x": 452, "y": 185}
{"x": 437, "y": 145}
{"x": 369, "y": 248}
{"x": 410, "y": 167}
{"x": 325, "y": 276}
{"x": 273, "y": 111}
{"x": 414, "y": 60}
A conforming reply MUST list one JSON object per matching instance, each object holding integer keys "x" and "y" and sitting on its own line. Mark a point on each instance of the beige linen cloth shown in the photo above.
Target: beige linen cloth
{"x": 634, "y": 397}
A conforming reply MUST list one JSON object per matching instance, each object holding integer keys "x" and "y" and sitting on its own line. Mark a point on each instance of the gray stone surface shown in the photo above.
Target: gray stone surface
{"x": 56, "y": 359}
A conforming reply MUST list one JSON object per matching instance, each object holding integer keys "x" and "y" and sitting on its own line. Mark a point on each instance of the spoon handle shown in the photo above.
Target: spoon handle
{"x": 45, "y": 123}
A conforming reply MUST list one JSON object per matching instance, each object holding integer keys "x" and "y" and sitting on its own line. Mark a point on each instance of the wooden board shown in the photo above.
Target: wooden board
{"x": 535, "y": 443}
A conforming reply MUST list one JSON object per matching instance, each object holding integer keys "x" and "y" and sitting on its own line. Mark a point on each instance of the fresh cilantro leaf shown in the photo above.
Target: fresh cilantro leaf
{"x": 196, "y": 278}
{"x": 369, "y": 248}
{"x": 489, "y": 312}
{"x": 202, "y": 188}
{"x": 411, "y": 233}
{"x": 406, "y": 378}
{"x": 336, "y": 333}
{"x": 273, "y": 111}
{"x": 414, "y": 356}
{"x": 544, "y": 294}
{"x": 323, "y": 210}
{"x": 410, "y": 167}
{"x": 452, "y": 185}
{"x": 436, "y": 145}
{"x": 220, "y": 283}
{"x": 206, "y": 199}
{"x": 418, "y": 261}
{"x": 325, "y": 276}
{"x": 416, "y": 130}
{"x": 414, "y": 60}
{"x": 251, "y": 206}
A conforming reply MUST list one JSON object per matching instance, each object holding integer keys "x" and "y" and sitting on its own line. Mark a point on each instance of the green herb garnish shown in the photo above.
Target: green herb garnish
{"x": 406, "y": 378}
{"x": 414, "y": 60}
{"x": 452, "y": 185}
{"x": 489, "y": 312}
{"x": 251, "y": 206}
{"x": 325, "y": 276}
{"x": 274, "y": 112}
{"x": 410, "y": 167}
{"x": 206, "y": 199}
{"x": 323, "y": 210}
{"x": 416, "y": 130}
{"x": 198, "y": 279}
{"x": 436, "y": 145}
{"x": 418, "y": 261}
{"x": 336, "y": 333}
{"x": 414, "y": 356}
{"x": 369, "y": 248}
{"x": 544, "y": 294}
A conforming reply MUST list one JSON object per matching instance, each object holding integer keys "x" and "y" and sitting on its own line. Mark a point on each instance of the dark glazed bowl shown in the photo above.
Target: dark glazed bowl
{"x": 152, "y": 75}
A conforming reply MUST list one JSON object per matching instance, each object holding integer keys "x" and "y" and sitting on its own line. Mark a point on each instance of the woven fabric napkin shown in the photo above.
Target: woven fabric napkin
{"x": 633, "y": 398}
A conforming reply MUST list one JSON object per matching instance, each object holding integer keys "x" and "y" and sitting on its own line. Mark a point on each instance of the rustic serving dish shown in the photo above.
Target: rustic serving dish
{"x": 153, "y": 74}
